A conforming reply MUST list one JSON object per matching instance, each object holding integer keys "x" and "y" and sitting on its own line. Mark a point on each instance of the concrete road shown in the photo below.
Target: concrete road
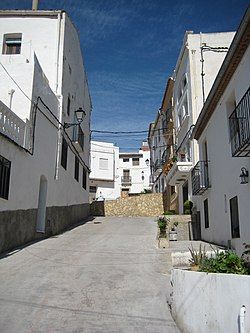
{"x": 103, "y": 276}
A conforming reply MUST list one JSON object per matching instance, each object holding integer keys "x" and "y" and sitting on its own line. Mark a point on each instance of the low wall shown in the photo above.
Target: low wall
{"x": 183, "y": 228}
{"x": 205, "y": 303}
{"x": 19, "y": 227}
{"x": 150, "y": 204}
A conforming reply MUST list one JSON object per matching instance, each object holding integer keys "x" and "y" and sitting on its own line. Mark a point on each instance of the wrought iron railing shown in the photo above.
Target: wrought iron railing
{"x": 239, "y": 123}
{"x": 126, "y": 179}
{"x": 200, "y": 178}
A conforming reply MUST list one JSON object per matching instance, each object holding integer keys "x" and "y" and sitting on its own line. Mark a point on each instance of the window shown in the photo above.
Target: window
{"x": 172, "y": 190}
{"x": 234, "y": 215}
{"x": 125, "y": 159}
{"x": 76, "y": 168}
{"x": 64, "y": 156}
{"x": 78, "y": 136}
{"x": 206, "y": 216}
{"x": 68, "y": 106}
{"x": 103, "y": 163}
{"x": 92, "y": 189}
{"x": 135, "y": 161}
{"x": 12, "y": 44}
{"x": 4, "y": 177}
{"x": 84, "y": 178}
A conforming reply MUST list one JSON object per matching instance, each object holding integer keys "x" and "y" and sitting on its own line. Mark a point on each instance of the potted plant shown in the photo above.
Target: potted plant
{"x": 173, "y": 232}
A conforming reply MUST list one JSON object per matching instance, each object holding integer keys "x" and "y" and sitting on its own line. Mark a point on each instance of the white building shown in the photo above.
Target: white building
{"x": 134, "y": 169}
{"x": 44, "y": 165}
{"x": 220, "y": 195}
{"x": 104, "y": 176}
{"x": 199, "y": 61}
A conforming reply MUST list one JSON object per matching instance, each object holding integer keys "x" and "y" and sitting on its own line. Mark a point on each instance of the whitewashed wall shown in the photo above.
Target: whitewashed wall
{"x": 55, "y": 53}
{"x": 209, "y": 303}
{"x": 224, "y": 170}
{"x": 138, "y": 184}
{"x": 107, "y": 179}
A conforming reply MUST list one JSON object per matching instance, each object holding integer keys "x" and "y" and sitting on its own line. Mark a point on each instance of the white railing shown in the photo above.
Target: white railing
{"x": 11, "y": 125}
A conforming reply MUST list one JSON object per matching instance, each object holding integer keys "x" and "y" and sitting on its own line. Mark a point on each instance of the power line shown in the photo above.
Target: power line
{"x": 71, "y": 146}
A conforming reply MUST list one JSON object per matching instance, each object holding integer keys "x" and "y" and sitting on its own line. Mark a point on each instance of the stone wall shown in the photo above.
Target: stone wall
{"x": 184, "y": 226}
{"x": 19, "y": 227}
{"x": 150, "y": 204}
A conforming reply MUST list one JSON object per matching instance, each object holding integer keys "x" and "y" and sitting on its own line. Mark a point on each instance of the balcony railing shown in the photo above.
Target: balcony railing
{"x": 239, "y": 123}
{"x": 11, "y": 125}
{"x": 166, "y": 155}
{"x": 200, "y": 178}
{"x": 126, "y": 180}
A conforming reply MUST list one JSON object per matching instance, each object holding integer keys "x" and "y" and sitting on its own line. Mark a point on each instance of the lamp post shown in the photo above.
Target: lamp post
{"x": 80, "y": 114}
{"x": 147, "y": 162}
{"x": 244, "y": 176}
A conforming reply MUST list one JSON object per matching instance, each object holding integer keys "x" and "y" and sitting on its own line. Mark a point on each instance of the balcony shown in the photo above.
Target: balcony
{"x": 126, "y": 180}
{"x": 179, "y": 173}
{"x": 12, "y": 126}
{"x": 239, "y": 124}
{"x": 200, "y": 178}
{"x": 78, "y": 138}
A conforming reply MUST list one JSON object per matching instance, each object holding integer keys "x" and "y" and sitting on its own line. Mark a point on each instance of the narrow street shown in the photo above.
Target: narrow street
{"x": 103, "y": 276}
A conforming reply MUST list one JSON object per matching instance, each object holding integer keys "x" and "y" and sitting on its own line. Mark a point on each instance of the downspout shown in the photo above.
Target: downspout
{"x": 242, "y": 316}
{"x": 59, "y": 96}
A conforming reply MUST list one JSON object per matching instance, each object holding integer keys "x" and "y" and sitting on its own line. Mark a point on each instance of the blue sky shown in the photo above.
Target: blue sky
{"x": 130, "y": 48}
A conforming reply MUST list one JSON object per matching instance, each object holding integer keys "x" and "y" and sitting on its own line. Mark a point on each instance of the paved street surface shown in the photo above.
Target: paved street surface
{"x": 103, "y": 276}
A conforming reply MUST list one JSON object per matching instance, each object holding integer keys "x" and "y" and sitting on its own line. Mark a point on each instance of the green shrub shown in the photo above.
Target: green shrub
{"x": 188, "y": 205}
{"x": 224, "y": 262}
{"x": 168, "y": 212}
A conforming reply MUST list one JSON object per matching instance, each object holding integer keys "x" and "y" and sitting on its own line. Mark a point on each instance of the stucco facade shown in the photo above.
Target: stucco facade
{"x": 45, "y": 83}
{"x": 197, "y": 66}
{"x": 104, "y": 176}
{"x": 228, "y": 200}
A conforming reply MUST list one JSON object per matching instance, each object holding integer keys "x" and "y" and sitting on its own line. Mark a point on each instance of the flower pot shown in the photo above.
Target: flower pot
{"x": 173, "y": 235}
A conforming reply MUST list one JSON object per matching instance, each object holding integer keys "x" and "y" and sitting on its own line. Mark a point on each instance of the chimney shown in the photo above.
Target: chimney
{"x": 35, "y": 4}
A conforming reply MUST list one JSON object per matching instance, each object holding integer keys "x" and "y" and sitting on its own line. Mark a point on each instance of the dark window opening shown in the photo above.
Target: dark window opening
{"x": 64, "y": 156}
{"x": 135, "y": 161}
{"x": 92, "y": 189}
{"x": 125, "y": 159}
{"x": 172, "y": 190}
{"x": 234, "y": 215}
{"x": 68, "y": 106}
{"x": 84, "y": 178}
{"x": 12, "y": 44}
{"x": 76, "y": 168}
{"x": 4, "y": 177}
{"x": 206, "y": 215}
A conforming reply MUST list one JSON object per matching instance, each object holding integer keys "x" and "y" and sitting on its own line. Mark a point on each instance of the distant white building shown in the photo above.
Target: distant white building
{"x": 44, "y": 161}
{"x": 221, "y": 178}
{"x": 104, "y": 176}
{"x": 134, "y": 169}
{"x": 199, "y": 61}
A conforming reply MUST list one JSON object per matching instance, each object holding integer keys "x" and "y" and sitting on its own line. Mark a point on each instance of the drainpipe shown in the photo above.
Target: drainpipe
{"x": 242, "y": 318}
{"x": 60, "y": 129}
{"x": 35, "y": 4}
{"x": 11, "y": 93}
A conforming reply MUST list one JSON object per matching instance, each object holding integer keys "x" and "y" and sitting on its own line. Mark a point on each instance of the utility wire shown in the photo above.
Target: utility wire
{"x": 71, "y": 146}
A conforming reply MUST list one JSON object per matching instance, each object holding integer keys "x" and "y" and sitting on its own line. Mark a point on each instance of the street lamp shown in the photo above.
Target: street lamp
{"x": 147, "y": 162}
{"x": 80, "y": 114}
{"x": 244, "y": 176}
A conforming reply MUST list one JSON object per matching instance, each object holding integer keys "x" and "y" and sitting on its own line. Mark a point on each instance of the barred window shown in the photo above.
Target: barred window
{"x": 76, "y": 168}
{"x": 84, "y": 178}
{"x": 4, "y": 177}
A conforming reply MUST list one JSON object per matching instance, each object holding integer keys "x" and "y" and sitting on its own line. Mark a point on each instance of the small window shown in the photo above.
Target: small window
{"x": 135, "y": 161}
{"x": 4, "y": 177}
{"x": 76, "y": 168}
{"x": 125, "y": 159}
{"x": 234, "y": 215}
{"x": 64, "y": 156}
{"x": 103, "y": 164}
{"x": 206, "y": 215}
{"x": 68, "y": 106}
{"x": 12, "y": 44}
{"x": 172, "y": 190}
{"x": 92, "y": 189}
{"x": 84, "y": 178}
